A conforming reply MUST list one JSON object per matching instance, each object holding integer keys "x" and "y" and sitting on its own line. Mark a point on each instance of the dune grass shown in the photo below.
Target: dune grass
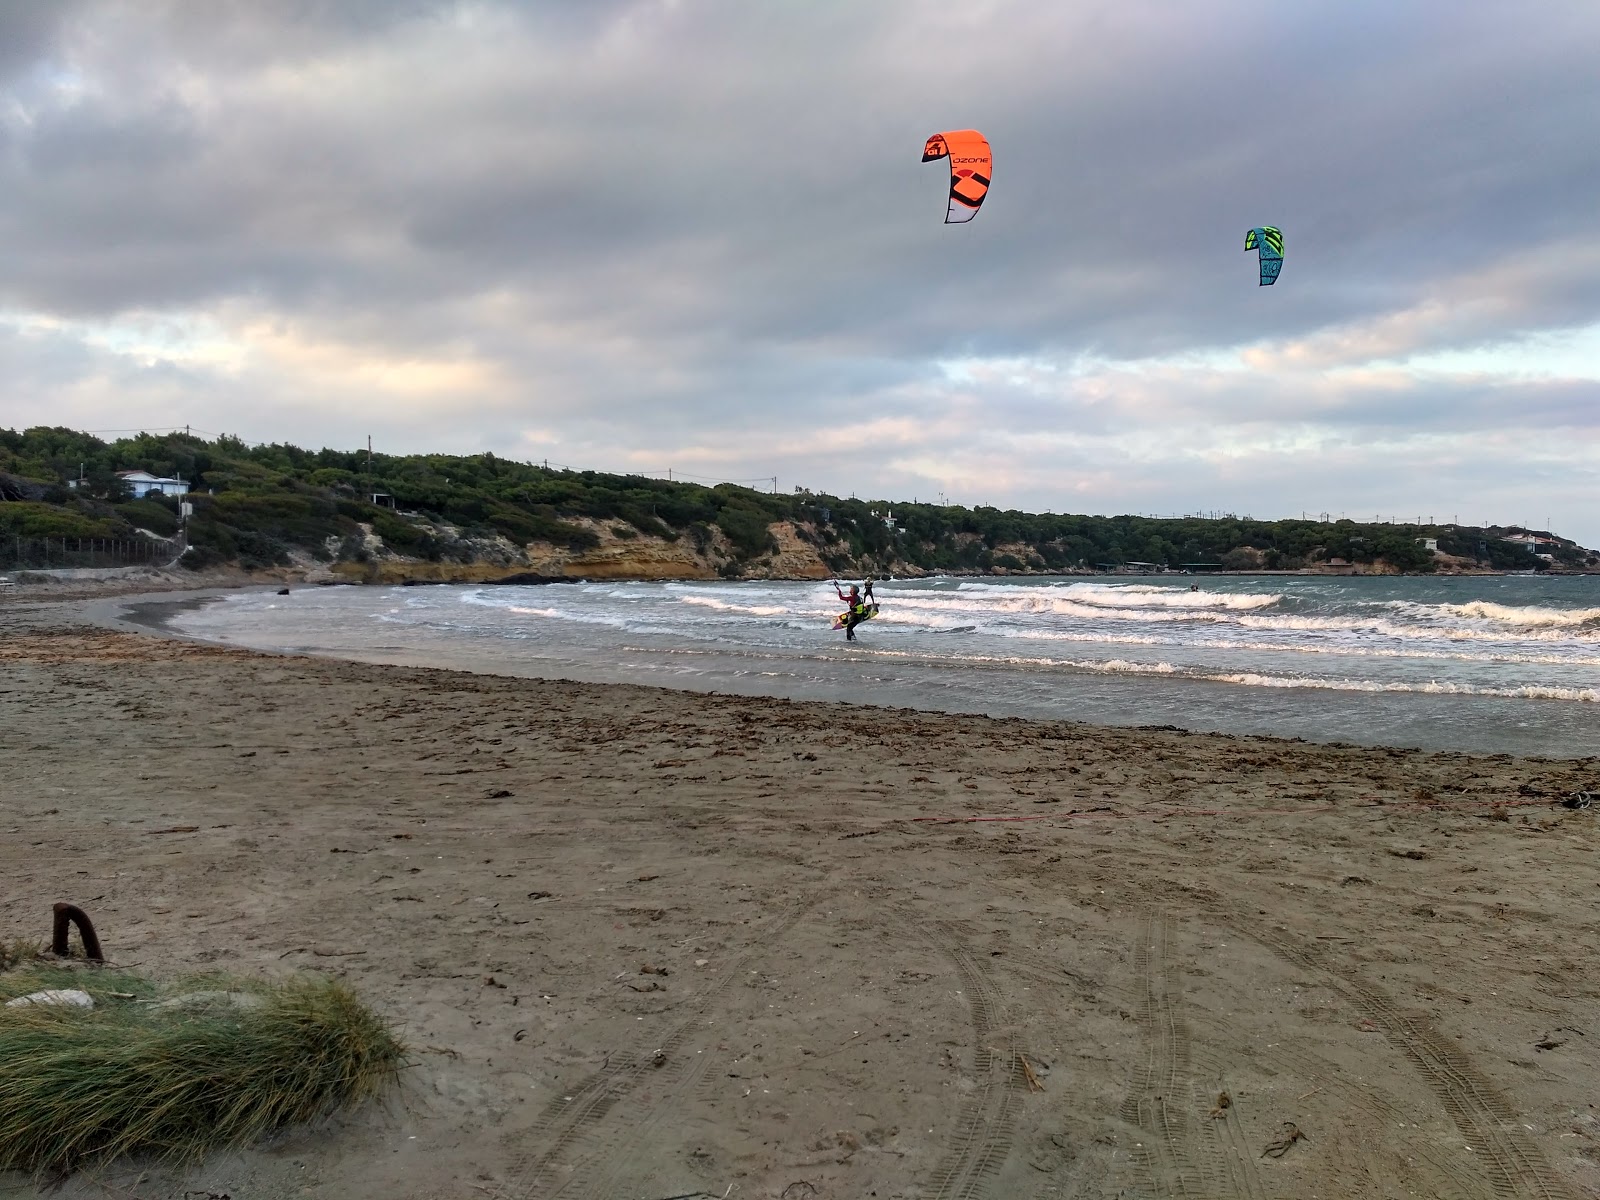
{"x": 15, "y": 953}
{"x": 141, "y": 1075}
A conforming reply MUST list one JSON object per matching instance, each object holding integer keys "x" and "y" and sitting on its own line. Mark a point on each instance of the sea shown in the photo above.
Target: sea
{"x": 1497, "y": 664}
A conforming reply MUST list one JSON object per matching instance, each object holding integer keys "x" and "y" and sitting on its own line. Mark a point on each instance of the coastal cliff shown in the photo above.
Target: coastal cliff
{"x": 618, "y": 552}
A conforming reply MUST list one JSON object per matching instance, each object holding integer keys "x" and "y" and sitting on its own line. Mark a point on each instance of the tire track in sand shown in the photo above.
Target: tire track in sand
{"x": 1422, "y": 1169}
{"x": 985, "y": 1127}
{"x": 567, "y": 1124}
{"x": 1512, "y": 1162}
{"x": 1175, "y": 1159}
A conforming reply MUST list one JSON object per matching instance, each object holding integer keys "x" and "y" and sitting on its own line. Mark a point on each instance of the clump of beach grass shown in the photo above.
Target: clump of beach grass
{"x": 15, "y": 953}
{"x": 173, "y": 1072}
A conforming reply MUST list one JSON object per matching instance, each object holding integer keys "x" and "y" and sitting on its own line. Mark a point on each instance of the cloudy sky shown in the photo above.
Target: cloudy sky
{"x": 697, "y": 234}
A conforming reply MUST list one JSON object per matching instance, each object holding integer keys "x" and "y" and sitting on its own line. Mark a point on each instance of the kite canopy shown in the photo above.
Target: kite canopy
{"x": 1268, "y": 239}
{"x": 970, "y": 168}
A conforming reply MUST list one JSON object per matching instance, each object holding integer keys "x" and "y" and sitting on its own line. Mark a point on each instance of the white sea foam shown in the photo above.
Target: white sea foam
{"x": 1533, "y": 615}
{"x": 1120, "y": 666}
{"x": 1431, "y": 687}
{"x": 1123, "y": 596}
{"x": 1344, "y": 648}
{"x": 756, "y": 610}
{"x": 1383, "y": 626}
{"x": 567, "y": 614}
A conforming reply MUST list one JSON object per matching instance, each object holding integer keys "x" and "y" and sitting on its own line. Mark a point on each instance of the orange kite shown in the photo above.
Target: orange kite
{"x": 970, "y": 168}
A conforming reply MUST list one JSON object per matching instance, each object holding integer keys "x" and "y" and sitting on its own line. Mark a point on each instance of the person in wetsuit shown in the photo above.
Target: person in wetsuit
{"x": 861, "y": 607}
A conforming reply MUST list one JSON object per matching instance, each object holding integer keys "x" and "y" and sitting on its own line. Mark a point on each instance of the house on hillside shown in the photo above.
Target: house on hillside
{"x": 1544, "y": 547}
{"x": 142, "y": 484}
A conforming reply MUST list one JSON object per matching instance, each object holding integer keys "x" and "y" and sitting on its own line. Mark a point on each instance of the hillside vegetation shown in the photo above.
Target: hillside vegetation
{"x": 271, "y": 505}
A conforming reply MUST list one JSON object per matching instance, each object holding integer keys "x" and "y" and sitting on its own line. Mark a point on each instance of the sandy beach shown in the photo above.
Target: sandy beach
{"x": 647, "y": 944}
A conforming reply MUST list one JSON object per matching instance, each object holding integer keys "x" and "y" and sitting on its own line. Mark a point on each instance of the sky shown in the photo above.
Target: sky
{"x": 696, "y": 235}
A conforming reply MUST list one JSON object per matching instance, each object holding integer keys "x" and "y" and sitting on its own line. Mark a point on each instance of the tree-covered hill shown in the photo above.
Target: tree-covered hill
{"x": 263, "y": 505}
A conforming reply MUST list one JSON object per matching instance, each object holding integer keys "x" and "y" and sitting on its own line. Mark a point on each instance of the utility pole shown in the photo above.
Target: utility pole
{"x": 369, "y": 468}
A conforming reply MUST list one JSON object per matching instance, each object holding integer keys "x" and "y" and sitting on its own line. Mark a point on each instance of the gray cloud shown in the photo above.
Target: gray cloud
{"x": 617, "y": 230}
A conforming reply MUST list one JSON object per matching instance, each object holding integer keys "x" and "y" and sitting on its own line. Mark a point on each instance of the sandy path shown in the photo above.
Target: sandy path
{"x": 853, "y": 998}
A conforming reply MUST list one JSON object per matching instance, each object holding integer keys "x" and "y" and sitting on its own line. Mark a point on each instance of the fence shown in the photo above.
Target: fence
{"x": 63, "y": 554}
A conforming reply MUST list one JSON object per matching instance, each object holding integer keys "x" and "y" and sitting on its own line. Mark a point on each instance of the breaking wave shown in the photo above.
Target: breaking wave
{"x": 1529, "y": 615}
{"x": 1135, "y": 596}
{"x": 755, "y": 610}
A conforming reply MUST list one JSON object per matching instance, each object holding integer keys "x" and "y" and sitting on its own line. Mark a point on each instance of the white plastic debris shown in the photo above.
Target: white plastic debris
{"x": 66, "y": 997}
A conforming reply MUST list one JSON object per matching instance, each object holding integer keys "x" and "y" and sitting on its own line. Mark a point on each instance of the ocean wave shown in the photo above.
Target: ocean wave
{"x": 1388, "y": 620}
{"x": 1042, "y": 603}
{"x": 1395, "y": 629}
{"x": 1112, "y": 595}
{"x": 1431, "y": 687}
{"x": 564, "y": 614}
{"x": 1530, "y": 615}
{"x": 757, "y": 610}
{"x": 1337, "y": 649}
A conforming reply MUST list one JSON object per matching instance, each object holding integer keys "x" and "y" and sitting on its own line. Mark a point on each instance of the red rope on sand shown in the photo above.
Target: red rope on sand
{"x": 1164, "y": 813}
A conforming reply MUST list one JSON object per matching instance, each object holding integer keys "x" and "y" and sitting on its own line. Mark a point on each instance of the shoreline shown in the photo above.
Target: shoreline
{"x": 644, "y": 942}
{"x": 1198, "y": 704}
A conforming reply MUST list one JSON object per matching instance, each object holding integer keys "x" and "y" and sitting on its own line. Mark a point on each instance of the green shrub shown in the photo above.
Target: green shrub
{"x": 540, "y": 526}
{"x": 34, "y": 519}
{"x": 151, "y": 515}
{"x": 747, "y": 531}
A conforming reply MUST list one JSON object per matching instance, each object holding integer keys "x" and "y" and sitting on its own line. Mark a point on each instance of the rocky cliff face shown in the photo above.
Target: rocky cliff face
{"x": 636, "y": 557}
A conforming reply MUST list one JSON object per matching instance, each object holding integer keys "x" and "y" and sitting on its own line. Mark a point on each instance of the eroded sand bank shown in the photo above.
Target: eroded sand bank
{"x": 845, "y": 999}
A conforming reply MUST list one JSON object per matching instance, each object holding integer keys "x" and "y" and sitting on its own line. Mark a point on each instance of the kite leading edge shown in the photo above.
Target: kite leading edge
{"x": 971, "y": 166}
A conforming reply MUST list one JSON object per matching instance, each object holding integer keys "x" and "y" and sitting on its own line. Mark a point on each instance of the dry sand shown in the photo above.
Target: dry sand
{"x": 646, "y": 943}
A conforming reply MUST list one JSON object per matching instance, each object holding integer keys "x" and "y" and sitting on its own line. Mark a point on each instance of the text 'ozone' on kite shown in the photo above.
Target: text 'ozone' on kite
{"x": 1268, "y": 239}
{"x": 971, "y": 166}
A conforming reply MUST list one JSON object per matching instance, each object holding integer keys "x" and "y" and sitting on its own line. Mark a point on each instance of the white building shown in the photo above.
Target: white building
{"x": 1544, "y": 547}
{"x": 142, "y": 483}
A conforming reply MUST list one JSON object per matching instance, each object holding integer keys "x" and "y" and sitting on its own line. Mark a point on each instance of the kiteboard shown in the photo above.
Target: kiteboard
{"x": 872, "y": 611}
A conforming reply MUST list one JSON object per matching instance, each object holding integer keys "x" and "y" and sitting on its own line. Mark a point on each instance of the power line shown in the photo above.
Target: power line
{"x": 676, "y": 474}
{"x": 151, "y": 429}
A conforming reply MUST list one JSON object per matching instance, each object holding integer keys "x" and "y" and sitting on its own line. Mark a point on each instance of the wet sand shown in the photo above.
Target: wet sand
{"x": 853, "y": 989}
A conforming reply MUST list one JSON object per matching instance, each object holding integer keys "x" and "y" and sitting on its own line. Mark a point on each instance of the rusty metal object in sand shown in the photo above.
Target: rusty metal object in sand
{"x": 67, "y": 915}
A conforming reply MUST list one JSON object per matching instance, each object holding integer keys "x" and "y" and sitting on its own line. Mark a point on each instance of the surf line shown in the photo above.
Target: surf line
{"x": 1163, "y": 814}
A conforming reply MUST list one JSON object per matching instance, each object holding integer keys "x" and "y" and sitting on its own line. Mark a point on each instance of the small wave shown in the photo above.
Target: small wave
{"x": 1113, "y": 595}
{"x": 1432, "y": 687}
{"x": 1336, "y": 649}
{"x": 1106, "y": 595}
{"x": 1395, "y": 629}
{"x": 1121, "y": 666}
{"x": 1042, "y": 603}
{"x": 756, "y": 610}
{"x": 1531, "y": 615}
{"x": 565, "y": 615}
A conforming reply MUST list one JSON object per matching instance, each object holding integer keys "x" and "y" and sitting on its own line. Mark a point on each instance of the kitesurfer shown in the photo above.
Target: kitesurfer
{"x": 861, "y": 606}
